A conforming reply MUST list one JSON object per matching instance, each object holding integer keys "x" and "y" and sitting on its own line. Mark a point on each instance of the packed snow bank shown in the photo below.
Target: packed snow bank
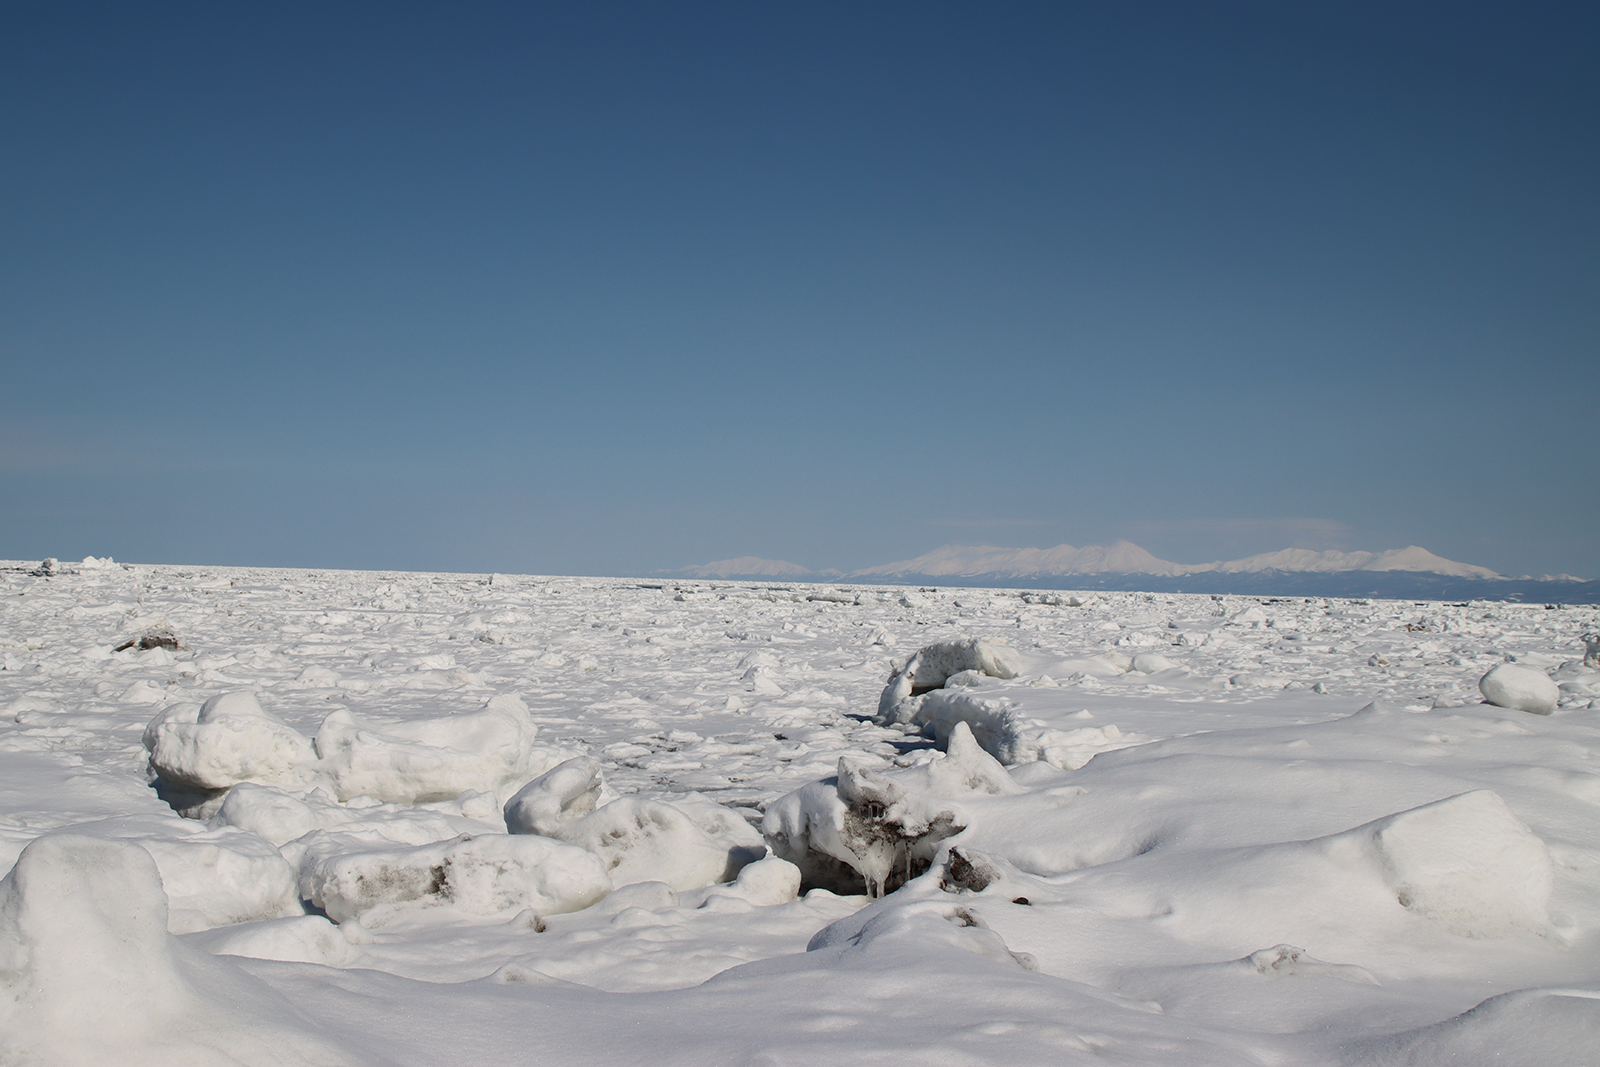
{"x": 1520, "y": 688}
{"x": 89, "y": 974}
{"x": 231, "y": 739}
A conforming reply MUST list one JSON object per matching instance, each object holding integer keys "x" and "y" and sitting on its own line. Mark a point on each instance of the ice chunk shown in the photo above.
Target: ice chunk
{"x": 688, "y": 845}
{"x": 883, "y": 826}
{"x": 649, "y": 841}
{"x": 227, "y": 740}
{"x": 764, "y": 883}
{"x": 566, "y": 792}
{"x": 484, "y": 875}
{"x": 272, "y": 814}
{"x": 967, "y": 768}
{"x": 432, "y": 759}
{"x": 83, "y": 923}
{"x": 1001, "y": 729}
{"x": 1150, "y": 663}
{"x": 994, "y": 721}
{"x": 1520, "y": 688}
{"x": 212, "y": 877}
{"x": 934, "y": 664}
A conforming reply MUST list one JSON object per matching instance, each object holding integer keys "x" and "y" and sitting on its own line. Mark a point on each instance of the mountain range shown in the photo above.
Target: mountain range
{"x": 1410, "y": 572}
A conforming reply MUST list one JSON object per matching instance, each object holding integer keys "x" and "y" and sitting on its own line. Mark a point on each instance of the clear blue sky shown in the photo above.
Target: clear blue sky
{"x": 605, "y": 288}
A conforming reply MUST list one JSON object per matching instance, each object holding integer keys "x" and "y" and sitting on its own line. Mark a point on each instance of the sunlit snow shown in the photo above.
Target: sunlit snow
{"x": 361, "y": 818}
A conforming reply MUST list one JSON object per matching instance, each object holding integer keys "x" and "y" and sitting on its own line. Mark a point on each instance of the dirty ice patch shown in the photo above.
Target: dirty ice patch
{"x": 881, "y": 827}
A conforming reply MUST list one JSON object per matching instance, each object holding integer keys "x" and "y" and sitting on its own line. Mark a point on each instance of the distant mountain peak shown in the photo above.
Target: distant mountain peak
{"x": 990, "y": 563}
{"x": 1125, "y": 557}
{"x": 747, "y": 567}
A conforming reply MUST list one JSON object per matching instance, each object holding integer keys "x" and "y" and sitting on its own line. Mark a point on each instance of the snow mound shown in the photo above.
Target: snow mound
{"x": 1525, "y": 1028}
{"x": 302, "y": 939}
{"x": 1465, "y": 862}
{"x": 89, "y": 974}
{"x": 1283, "y": 961}
{"x": 485, "y": 875}
{"x": 1150, "y": 663}
{"x": 919, "y": 922}
{"x": 211, "y": 877}
{"x": 1520, "y": 688}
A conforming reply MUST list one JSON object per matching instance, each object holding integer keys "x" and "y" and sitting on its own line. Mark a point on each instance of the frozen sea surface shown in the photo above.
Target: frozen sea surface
{"x": 1184, "y": 830}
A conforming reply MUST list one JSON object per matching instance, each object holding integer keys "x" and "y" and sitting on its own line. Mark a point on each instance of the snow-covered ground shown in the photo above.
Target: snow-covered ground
{"x": 1169, "y": 829}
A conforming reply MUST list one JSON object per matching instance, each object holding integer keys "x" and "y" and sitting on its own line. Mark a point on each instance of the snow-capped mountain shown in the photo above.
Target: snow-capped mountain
{"x": 748, "y": 567}
{"x": 1401, "y": 572}
{"x": 954, "y": 561}
{"x": 1124, "y": 557}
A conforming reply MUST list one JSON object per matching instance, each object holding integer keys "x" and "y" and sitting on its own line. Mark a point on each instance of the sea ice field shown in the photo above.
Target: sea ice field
{"x": 330, "y": 817}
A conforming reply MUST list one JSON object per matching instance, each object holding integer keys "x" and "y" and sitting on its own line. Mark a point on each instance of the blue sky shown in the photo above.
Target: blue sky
{"x": 607, "y": 288}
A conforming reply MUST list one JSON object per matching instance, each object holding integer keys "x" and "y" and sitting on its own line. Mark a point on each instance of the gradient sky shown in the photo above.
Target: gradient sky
{"x": 606, "y": 288}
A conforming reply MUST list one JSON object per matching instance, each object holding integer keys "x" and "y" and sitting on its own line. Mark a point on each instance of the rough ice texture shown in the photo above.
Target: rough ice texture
{"x": 231, "y": 739}
{"x": 1253, "y": 870}
{"x": 431, "y": 759}
{"x": 1009, "y": 735}
{"x": 228, "y": 739}
{"x": 934, "y": 664}
{"x": 884, "y": 826}
{"x": 564, "y": 793}
{"x": 687, "y": 845}
{"x": 1520, "y": 688}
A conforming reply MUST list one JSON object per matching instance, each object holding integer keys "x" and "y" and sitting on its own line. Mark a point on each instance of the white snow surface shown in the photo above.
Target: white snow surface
{"x": 440, "y": 819}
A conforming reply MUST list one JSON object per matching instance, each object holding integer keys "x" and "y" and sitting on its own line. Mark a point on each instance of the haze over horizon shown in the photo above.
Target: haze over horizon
{"x": 613, "y": 289}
